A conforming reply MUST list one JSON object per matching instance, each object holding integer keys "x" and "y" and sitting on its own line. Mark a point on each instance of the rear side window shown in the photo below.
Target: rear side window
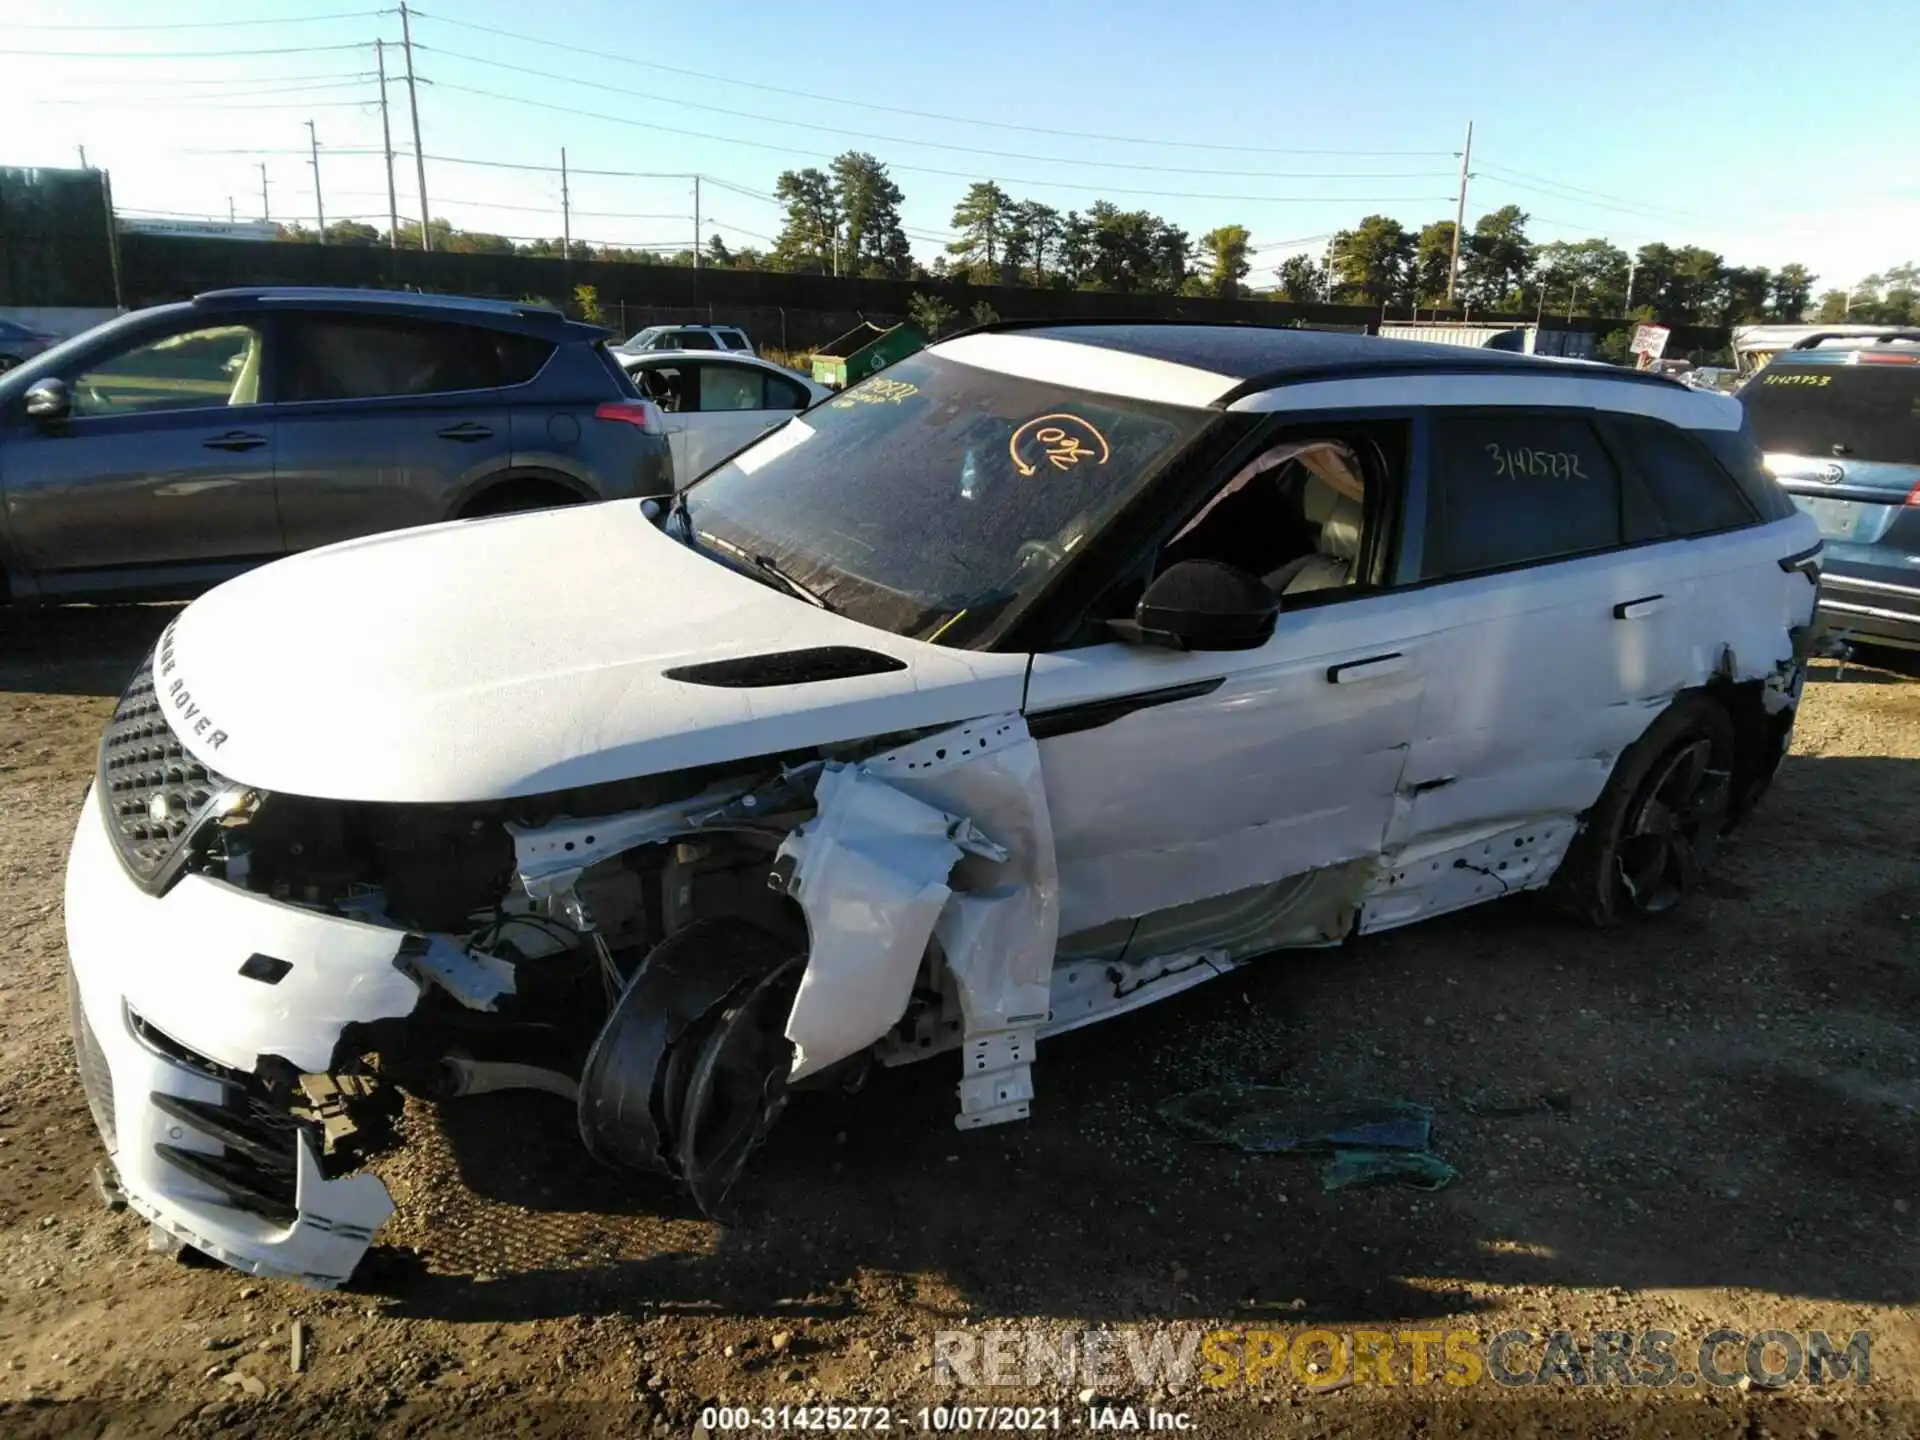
{"x": 733, "y": 339}
{"x": 785, "y": 394}
{"x": 1867, "y": 411}
{"x": 695, "y": 340}
{"x": 1739, "y": 452}
{"x": 1515, "y": 489}
{"x": 363, "y": 357}
{"x": 1695, "y": 496}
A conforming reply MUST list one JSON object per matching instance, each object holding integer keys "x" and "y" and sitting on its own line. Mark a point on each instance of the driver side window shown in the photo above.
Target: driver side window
{"x": 197, "y": 369}
{"x": 1300, "y": 515}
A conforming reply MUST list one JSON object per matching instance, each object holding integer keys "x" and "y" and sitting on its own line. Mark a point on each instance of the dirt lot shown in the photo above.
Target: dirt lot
{"x": 1724, "y": 1131}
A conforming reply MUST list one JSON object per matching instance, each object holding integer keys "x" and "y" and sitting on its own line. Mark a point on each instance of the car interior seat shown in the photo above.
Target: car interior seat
{"x": 246, "y": 383}
{"x": 1336, "y": 546}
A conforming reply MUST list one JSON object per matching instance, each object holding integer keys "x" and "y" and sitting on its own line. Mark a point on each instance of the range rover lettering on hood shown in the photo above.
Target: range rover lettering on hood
{"x": 193, "y": 720}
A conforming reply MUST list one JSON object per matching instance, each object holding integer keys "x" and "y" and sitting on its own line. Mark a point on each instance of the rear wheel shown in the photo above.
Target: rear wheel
{"x": 514, "y": 496}
{"x": 1650, "y": 837}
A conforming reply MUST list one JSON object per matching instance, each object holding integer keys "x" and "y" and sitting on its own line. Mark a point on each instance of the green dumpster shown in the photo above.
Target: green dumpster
{"x": 862, "y": 350}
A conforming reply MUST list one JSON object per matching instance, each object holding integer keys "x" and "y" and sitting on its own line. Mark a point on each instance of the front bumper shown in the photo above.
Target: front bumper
{"x": 171, "y": 1036}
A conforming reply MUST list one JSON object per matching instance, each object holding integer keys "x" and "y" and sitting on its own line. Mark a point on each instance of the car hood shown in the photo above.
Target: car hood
{"x": 486, "y": 659}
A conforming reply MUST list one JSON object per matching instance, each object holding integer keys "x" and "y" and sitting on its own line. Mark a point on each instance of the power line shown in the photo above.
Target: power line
{"x": 1508, "y": 170}
{"x": 284, "y": 81}
{"x": 575, "y": 81}
{"x": 145, "y": 104}
{"x": 331, "y": 150}
{"x": 555, "y": 169}
{"x": 181, "y": 54}
{"x": 1027, "y": 182}
{"x": 206, "y": 24}
{"x": 917, "y": 114}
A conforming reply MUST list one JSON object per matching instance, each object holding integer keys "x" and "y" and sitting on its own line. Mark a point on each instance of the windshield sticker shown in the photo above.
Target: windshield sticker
{"x": 795, "y": 432}
{"x": 877, "y": 392}
{"x": 1062, "y": 441}
{"x": 1519, "y": 460}
{"x": 1796, "y": 379}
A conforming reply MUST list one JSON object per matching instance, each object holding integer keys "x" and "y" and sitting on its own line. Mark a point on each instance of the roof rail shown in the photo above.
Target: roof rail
{"x": 1816, "y": 340}
{"x": 379, "y": 297}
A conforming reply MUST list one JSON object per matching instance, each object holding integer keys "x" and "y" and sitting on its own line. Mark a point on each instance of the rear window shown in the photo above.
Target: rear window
{"x": 1857, "y": 412}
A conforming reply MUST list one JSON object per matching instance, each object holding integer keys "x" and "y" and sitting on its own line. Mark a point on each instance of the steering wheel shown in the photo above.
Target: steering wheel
{"x": 1032, "y": 550}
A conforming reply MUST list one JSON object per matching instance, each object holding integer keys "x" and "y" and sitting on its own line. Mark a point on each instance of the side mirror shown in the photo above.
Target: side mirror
{"x": 1204, "y": 605}
{"x": 49, "y": 400}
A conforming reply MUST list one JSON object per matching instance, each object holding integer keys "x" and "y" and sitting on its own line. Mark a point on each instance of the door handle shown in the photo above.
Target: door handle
{"x": 1351, "y": 672}
{"x": 1635, "y": 609}
{"x": 466, "y": 432}
{"x": 235, "y": 440}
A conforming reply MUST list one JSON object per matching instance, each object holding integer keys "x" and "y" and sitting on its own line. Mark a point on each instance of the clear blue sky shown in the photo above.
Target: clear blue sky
{"x": 1636, "y": 121}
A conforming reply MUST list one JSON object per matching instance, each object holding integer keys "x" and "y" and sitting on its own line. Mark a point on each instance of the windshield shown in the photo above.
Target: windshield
{"x": 1857, "y": 412}
{"x": 935, "y": 499}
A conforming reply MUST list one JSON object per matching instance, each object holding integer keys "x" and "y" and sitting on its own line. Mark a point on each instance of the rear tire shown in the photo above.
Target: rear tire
{"x": 515, "y": 496}
{"x": 1653, "y": 831}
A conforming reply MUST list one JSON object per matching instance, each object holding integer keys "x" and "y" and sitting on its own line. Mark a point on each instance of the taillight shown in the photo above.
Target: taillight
{"x": 1885, "y": 357}
{"x": 643, "y": 413}
{"x": 1913, "y": 496}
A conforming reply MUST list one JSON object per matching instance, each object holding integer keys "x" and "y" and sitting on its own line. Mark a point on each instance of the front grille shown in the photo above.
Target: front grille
{"x": 155, "y": 794}
{"x": 95, "y": 1078}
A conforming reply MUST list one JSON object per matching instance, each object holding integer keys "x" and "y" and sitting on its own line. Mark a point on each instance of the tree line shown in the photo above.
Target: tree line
{"x": 845, "y": 220}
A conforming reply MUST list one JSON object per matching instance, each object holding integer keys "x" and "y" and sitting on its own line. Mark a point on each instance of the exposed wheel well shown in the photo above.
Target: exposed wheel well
{"x": 511, "y": 493}
{"x": 1759, "y": 738}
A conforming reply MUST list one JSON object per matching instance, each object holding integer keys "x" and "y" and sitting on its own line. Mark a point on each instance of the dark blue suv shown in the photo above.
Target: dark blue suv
{"x": 169, "y": 449}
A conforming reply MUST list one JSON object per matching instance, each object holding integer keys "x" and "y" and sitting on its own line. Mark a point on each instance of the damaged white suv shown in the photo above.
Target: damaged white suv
{"x": 1049, "y": 673}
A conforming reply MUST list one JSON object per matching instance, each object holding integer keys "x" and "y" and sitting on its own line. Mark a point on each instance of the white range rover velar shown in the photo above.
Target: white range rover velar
{"x": 1053, "y": 671}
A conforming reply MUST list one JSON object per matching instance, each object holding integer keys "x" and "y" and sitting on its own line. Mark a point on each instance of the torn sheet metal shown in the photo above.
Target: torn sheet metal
{"x": 550, "y": 858}
{"x": 1442, "y": 873}
{"x": 1000, "y": 928}
{"x": 473, "y": 977}
{"x": 870, "y": 873}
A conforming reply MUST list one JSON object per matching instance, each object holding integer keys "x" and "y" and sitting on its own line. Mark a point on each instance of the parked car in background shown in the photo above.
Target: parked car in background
{"x": 1839, "y": 418}
{"x": 171, "y": 448}
{"x": 1047, "y": 674}
{"x": 690, "y": 337}
{"x": 712, "y": 407}
{"x": 20, "y": 343}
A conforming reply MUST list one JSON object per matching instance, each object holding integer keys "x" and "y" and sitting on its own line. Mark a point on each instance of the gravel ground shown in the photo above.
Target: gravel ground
{"x": 1720, "y": 1127}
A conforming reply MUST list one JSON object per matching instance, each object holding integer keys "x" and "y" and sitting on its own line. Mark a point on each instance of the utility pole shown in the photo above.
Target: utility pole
{"x": 1572, "y": 295}
{"x": 696, "y": 222}
{"x": 1459, "y": 214}
{"x": 566, "y": 210}
{"x": 419, "y": 154}
{"x": 386, "y": 145}
{"x": 319, "y": 209}
{"x": 83, "y": 155}
{"x": 1632, "y": 265}
{"x": 231, "y": 214}
{"x": 266, "y": 213}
